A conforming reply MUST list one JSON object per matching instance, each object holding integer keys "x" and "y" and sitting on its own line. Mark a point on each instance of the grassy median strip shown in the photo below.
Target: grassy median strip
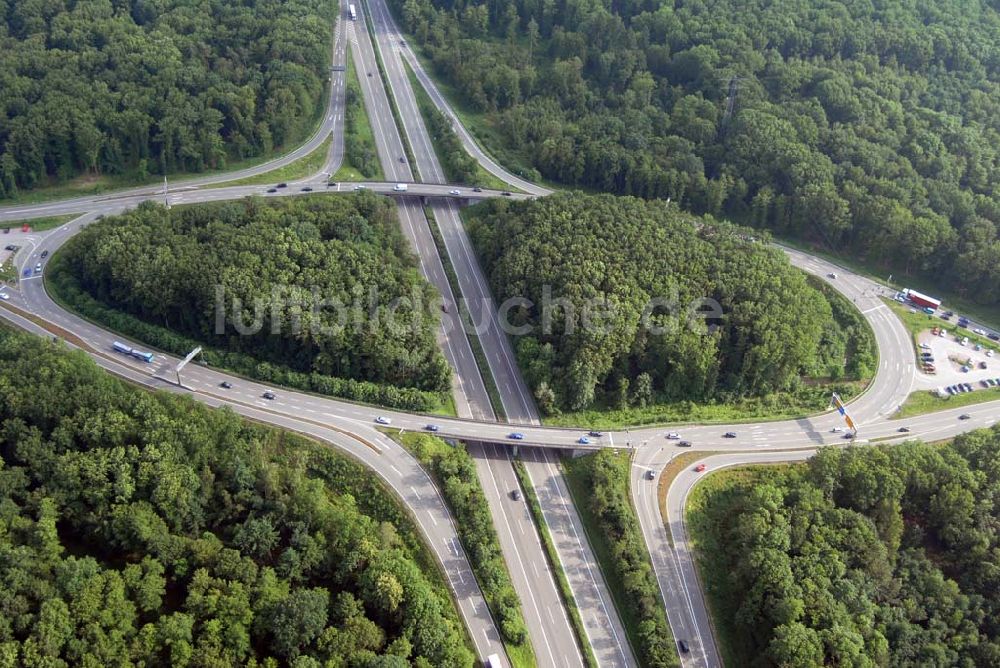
{"x": 477, "y": 347}
{"x": 531, "y": 498}
{"x": 599, "y": 485}
{"x": 39, "y": 224}
{"x": 360, "y": 153}
{"x": 454, "y": 471}
{"x": 396, "y": 117}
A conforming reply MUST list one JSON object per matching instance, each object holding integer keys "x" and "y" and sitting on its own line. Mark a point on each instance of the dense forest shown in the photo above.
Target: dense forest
{"x": 869, "y": 127}
{"x": 861, "y": 557}
{"x": 145, "y": 529}
{"x": 625, "y": 254}
{"x": 332, "y": 280}
{"x": 93, "y": 86}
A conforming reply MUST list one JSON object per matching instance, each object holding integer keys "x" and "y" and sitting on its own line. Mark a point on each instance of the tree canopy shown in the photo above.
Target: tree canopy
{"x": 142, "y": 528}
{"x": 154, "y": 86}
{"x": 872, "y": 128}
{"x": 645, "y": 269}
{"x": 331, "y": 280}
{"x": 867, "y": 556}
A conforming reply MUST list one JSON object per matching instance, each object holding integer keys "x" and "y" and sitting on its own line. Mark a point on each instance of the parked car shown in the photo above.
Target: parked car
{"x": 45, "y": 253}
{"x": 4, "y": 296}
{"x": 383, "y": 420}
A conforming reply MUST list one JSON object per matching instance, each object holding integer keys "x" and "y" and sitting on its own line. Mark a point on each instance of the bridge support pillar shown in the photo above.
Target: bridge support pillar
{"x": 515, "y": 451}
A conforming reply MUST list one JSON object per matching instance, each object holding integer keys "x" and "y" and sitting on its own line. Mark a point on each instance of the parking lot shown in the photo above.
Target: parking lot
{"x": 956, "y": 363}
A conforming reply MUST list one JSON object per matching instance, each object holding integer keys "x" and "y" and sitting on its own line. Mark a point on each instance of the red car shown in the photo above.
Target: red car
{"x": 699, "y": 468}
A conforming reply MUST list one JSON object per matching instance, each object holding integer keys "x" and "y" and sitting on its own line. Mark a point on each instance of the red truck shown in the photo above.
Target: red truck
{"x": 919, "y": 299}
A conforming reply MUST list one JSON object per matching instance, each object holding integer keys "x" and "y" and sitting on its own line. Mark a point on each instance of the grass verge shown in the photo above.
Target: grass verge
{"x": 565, "y": 592}
{"x": 360, "y": 155}
{"x": 917, "y": 322}
{"x": 599, "y": 485}
{"x": 454, "y": 472}
{"x": 40, "y": 224}
{"x": 477, "y": 346}
{"x": 304, "y": 167}
{"x": 926, "y": 401}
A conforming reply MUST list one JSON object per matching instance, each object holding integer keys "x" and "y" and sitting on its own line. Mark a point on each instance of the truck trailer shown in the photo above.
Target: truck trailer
{"x": 920, "y": 299}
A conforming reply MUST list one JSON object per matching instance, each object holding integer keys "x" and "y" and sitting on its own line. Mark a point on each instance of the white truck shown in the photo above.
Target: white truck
{"x": 493, "y": 661}
{"x": 401, "y": 188}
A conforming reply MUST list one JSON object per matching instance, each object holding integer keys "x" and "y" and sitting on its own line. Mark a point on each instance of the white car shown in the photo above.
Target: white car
{"x": 383, "y": 420}
{"x": 980, "y": 332}
{"x": 836, "y": 430}
{"x": 673, "y": 435}
{"x": 4, "y": 296}
{"x": 925, "y": 346}
{"x": 455, "y": 192}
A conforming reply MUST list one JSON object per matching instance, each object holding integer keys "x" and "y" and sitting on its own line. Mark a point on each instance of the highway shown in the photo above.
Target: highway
{"x": 549, "y": 629}
{"x": 350, "y": 426}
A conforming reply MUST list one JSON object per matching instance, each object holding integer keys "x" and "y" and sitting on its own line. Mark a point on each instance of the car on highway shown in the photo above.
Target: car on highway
{"x": 836, "y": 430}
{"x": 307, "y": 189}
{"x": 268, "y": 395}
{"x": 650, "y": 475}
{"x": 683, "y": 647}
{"x": 964, "y": 416}
{"x": 383, "y": 420}
{"x": 673, "y": 435}
{"x": 4, "y": 296}
{"x": 848, "y": 436}
{"x": 583, "y": 440}
{"x": 38, "y": 268}
{"x": 477, "y": 189}
{"x": 27, "y": 272}
{"x": 226, "y": 385}
{"x": 729, "y": 434}
{"x": 432, "y": 427}
{"x": 516, "y": 436}
{"x": 272, "y": 190}
{"x": 45, "y": 253}
{"x": 684, "y": 444}
{"x": 903, "y": 430}
{"x": 282, "y": 185}
{"x": 369, "y": 74}
{"x": 831, "y": 275}
{"x": 454, "y": 192}
{"x": 506, "y": 193}
{"x": 360, "y": 187}
{"x": 699, "y": 468}
{"x": 595, "y": 434}
{"x": 402, "y": 159}
{"x": 10, "y": 247}
{"x": 515, "y": 494}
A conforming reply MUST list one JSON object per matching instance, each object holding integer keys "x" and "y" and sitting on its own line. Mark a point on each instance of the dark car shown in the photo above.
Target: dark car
{"x": 516, "y": 495}
{"x": 402, "y": 159}
{"x": 964, "y": 416}
{"x": 331, "y": 184}
{"x": 517, "y": 436}
{"x": 268, "y": 395}
{"x": 10, "y": 248}
{"x": 993, "y": 336}
{"x": 849, "y": 436}
{"x": 225, "y": 385}
{"x": 45, "y": 253}
{"x": 683, "y": 646}
{"x": 272, "y": 190}
{"x": 949, "y": 313}
{"x": 729, "y": 434}
{"x": 27, "y": 272}
{"x": 307, "y": 189}
{"x": 903, "y": 430}
{"x": 506, "y": 193}
{"x": 684, "y": 444}
{"x": 369, "y": 74}
{"x": 282, "y": 185}
{"x": 477, "y": 189}
{"x": 595, "y": 434}
{"x": 432, "y": 427}
{"x": 6, "y": 230}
